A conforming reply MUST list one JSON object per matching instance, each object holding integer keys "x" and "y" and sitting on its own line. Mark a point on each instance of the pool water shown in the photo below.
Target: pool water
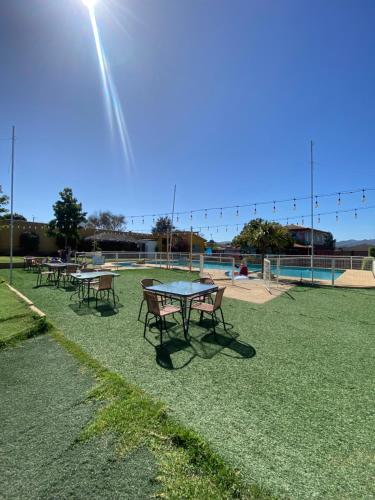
{"x": 126, "y": 264}
{"x": 287, "y": 271}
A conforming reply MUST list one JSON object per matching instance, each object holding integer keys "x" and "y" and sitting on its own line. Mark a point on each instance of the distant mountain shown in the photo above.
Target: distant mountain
{"x": 354, "y": 243}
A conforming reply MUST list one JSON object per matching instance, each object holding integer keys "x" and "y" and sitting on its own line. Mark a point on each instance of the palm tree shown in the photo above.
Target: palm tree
{"x": 263, "y": 236}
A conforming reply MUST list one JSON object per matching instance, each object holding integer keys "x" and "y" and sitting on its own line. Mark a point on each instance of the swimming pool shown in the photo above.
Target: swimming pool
{"x": 126, "y": 264}
{"x": 287, "y": 271}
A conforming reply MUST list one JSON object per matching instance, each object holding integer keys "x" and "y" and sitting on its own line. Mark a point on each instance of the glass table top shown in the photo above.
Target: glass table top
{"x": 93, "y": 275}
{"x": 182, "y": 288}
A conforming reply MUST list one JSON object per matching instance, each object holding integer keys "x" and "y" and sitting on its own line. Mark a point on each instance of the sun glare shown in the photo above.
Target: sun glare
{"x": 90, "y": 4}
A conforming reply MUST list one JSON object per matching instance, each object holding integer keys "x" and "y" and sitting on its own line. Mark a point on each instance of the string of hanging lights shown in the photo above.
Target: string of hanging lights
{"x": 273, "y": 203}
{"x": 298, "y": 219}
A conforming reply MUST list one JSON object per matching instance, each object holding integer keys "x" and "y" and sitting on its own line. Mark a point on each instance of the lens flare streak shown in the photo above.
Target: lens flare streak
{"x": 111, "y": 97}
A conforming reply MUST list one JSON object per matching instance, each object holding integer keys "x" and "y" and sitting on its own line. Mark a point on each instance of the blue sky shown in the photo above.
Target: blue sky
{"x": 220, "y": 97}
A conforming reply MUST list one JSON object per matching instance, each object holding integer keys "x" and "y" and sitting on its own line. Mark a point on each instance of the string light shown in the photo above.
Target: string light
{"x": 237, "y": 228}
{"x": 237, "y": 212}
{"x": 226, "y": 229}
{"x": 355, "y": 214}
{"x": 274, "y": 208}
{"x": 363, "y": 196}
{"x": 143, "y": 220}
{"x": 191, "y": 215}
{"x": 177, "y": 219}
{"x": 303, "y": 221}
{"x": 287, "y": 221}
{"x": 221, "y": 212}
{"x": 319, "y": 219}
{"x": 294, "y": 204}
{"x": 337, "y": 217}
{"x": 339, "y": 199}
{"x": 132, "y": 221}
{"x": 316, "y": 202}
{"x": 205, "y": 214}
{"x": 255, "y": 209}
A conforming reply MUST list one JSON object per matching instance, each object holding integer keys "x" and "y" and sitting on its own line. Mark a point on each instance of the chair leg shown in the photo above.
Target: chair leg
{"x": 140, "y": 310}
{"x": 146, "y": 321}
{"x": 222, "y": 317}
{"x": 213, "y": 323}
{"x": 160, "y": 321}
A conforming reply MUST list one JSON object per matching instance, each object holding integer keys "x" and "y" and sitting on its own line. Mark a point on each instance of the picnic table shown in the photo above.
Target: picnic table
{"x": 85, "y": 280}
{"x": 185, "y": 292}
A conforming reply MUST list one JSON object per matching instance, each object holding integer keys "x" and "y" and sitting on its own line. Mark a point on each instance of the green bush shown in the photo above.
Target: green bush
{"x": 371, "y": 252}
{"x": 29, "y": 242}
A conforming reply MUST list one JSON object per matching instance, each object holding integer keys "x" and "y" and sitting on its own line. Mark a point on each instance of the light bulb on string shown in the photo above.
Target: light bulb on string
{"x": 339, "y": 199}
{"x": 355, "y": 214}
{"x": 178, "y": 218}
{"x": 303, "y": 221}
{"x": 237, "y": 228}
{"x": 217, "y": 229}
{"x": 132, "y": 220}
{"x": 255, "y": 209}
{"x": 143, "y": 220}
{"x": 221, "y": 212}
{"x": 205, "y": 214}
{"x": 274, "y": 207}
{"x": 363, "y": 196}
{"x": 226, "y": 229}
{"x": 237, "y": 212}
{"x": 287, "y": 221}
{"x": 191, "y": 215}
{"x": 337, "y": 217}
{"x": 294, "y": 204}
{"x": 316, "y": 202}
{"x": 319, "y": 219}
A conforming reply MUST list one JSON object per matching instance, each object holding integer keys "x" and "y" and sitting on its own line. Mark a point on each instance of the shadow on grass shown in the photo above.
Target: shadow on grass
{"x": 176, "y": 352}
{"x": 104, "y": 309}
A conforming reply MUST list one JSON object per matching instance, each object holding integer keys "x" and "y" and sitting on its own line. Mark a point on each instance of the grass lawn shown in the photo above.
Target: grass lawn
{"x": 16, "y": 319}
{"x": 289, "y": 401}
{"x": 5, "y": 259}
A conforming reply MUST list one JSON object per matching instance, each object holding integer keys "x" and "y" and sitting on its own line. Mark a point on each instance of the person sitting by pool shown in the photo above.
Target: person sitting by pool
{"x": 244, "y": 271}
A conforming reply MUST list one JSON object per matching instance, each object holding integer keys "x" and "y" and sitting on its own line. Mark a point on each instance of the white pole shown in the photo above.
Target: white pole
{"x": 191, "y": 247}
{"x": 233, "y": 267}
{"x": 11, "y": 210}
{"x": 312, "y": 209}
{"x": 171, "y": 231}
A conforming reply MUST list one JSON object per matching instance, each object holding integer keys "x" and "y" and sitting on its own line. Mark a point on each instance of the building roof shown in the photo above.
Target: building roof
{"x": 296, "y": 227}
{"x": 115, "y": 236}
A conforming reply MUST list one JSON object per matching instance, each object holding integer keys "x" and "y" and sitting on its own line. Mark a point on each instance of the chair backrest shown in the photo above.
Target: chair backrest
{"x": 219, "y": 297}
{"x": 206, "y": 281}
{"x": 105, "y": 282}
{"x": 147, "y": 282}
{"x": 152, "y": 303}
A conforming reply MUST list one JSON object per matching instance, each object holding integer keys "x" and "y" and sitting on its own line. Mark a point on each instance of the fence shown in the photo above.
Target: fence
{"x": 349, "y": 271}
{"x": 326, "y": 270}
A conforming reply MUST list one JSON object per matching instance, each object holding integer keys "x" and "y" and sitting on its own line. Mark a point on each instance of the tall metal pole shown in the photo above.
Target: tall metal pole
{"x": 312, "y": 207}
{"x": 11, "y": 208}
{"x": 191, "y": 247}
{"x": 171, "y": 231}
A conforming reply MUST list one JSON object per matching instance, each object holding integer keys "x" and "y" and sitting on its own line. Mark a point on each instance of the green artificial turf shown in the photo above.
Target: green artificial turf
{"x": 288, "y": 401}
{"x": 4, "y": 259}
{"x": 43, "y": 412}
{"x": 17, "y": 321}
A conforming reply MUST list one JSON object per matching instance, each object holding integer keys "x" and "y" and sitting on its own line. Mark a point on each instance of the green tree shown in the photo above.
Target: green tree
{"x": 4, "y": 200}
{"x": 16, "y": 216}
{"x": 263, "y": 236}
{"x": 107, "y": 221}
{"x": 68, "y": 218}
{"x": 163, "y": 225}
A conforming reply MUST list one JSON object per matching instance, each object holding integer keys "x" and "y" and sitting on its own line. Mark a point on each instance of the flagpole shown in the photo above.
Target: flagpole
{"x": 11, "y": 209}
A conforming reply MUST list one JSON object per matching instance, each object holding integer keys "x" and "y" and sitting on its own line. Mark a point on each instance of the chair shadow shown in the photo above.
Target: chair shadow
{"x": 176, "y": 353}
{"x": 103, "y": 310}
{"x": 175, "y": 344}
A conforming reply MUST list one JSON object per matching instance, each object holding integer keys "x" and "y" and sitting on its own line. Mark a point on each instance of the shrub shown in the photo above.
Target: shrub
{"x": 29, "y": 242}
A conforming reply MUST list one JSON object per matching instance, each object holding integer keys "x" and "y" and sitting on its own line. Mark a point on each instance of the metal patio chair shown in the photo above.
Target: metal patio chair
{"x": 102, "y": 286}
{"x": 159, "y": 311}
{"x": 146, "y": 282}
{"x": 205, "y": 308}
{"x": 49, "y": 275}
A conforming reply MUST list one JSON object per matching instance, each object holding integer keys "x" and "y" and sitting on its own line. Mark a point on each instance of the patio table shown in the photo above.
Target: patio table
{"x": 87, "y": 278}
{"x": 59, "y": 267}
{"x": 184, "y": 291}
